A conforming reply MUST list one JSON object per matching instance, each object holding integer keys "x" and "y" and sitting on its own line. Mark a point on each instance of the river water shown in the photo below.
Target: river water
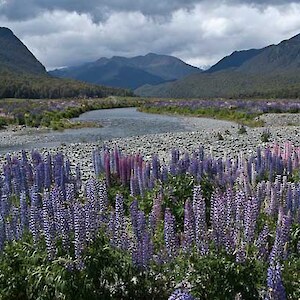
{"x": 117, "y": 123}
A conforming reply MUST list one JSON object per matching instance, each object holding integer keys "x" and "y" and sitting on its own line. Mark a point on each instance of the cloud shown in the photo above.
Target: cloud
{"x": 101, "y": 9}
{"x": 198, "y": 32}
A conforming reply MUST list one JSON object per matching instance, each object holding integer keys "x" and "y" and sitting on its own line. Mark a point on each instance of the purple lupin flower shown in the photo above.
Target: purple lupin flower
{"x": 156, "y": 213}
{"x": 240, "y": 256}
{"x": 97, "y": 163}
{"x": 54, "y": 201}
{"x": 147, "y": 247}
{"x": 120, "y": 234}
{"x": 171, "y": 242}
{"x": 103, "y": 198}
{"x": 134, "y": 216}
{"x": 262, "y": 243}
{"x": 181, "y": 295}
{"x": 240, "y": 200}
{"x": 141, "y": 184}
{"x": 134, "y": 185}
{"x": 279, "y": 250}
{"x": 143, "y": 248}
{"x": 48, "y": 172}
{"x": 78, "y": 177}
{"x": 164, "y": 174}
{"x": 35, "y": 214}
{"x": 79, "y": 234}
{"x": 155, "y": 167}
{"x": 15, "y": 225}
{"x": 111, "y": 228}
{"x": 117, "y": 160}
{"x": 49, "y": 229}
{"x": 91, "y": 209}
{"x": 2, "y": 233}
{"x": 175, "y": 156}
{"x": 4, "y": 202}
{"x": 16, "y": 176}
{"x": 7, "y": 178}
{"x": 64, "y": 225}
{"x": 251, "y": 215}
{"x": 276, "y": 289}
{"x": 107, "y": 167}
{"x": 8, "y": 231}
{"x": 218, "y": 219}
{"x": 189, "y": 226}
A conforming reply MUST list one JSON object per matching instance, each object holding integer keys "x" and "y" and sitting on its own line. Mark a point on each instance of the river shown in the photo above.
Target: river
{"x": 117, "y": 123}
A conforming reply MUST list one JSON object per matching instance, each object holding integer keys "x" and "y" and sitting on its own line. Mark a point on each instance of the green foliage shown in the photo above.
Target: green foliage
{"x": 291, "y": 278}
{"x": 26, "y": 273}
{"x": 220, "y": 277}
{"x": 220, "y": 136}
{"x": 229, "y": 84}
{"x": 242, "y": 129}
{"x": 32, "y": 86}
{"x": 56, "y": 113}
{"x": 209, "y": 112}
{"x": 265, "y": 136}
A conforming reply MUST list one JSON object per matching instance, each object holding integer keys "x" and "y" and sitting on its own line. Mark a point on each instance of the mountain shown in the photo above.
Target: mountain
{"x": 23, "y": 76}
{"x": 15, "y": 56}
{"x": 129, "y": 72}
{"x": 272, "y": 71}
{"x": 234, "y": 60}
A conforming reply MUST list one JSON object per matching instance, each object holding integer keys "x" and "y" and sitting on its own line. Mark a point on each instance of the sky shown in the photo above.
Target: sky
{"x": 200, "y": 32}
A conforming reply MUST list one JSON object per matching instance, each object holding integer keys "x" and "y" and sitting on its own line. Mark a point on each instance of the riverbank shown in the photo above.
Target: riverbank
{"x": 220, "y": 141}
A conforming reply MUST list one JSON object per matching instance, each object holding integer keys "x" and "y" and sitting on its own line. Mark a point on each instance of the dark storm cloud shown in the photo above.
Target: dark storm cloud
{"x": 101, "y": 9}
{"x": 15, "y": 9}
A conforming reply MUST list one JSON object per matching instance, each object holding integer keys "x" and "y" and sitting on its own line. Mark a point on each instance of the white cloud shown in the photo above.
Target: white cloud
{"x": 200, "y": 35}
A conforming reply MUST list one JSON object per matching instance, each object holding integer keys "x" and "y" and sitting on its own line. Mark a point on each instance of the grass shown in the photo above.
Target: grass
{"x": 227, "y": 114}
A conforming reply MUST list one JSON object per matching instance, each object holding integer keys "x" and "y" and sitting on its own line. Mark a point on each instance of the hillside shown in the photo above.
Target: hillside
{"x": 272, "y": 71}
{"x": 129, "y": 72}
{"x": 234, "y": 60}
{"x": 23, "y": 76}
{"x": 15, "y": 57}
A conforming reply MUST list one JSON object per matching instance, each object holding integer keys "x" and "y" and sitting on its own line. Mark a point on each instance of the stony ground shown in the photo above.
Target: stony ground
{"x": 221, "y": 140}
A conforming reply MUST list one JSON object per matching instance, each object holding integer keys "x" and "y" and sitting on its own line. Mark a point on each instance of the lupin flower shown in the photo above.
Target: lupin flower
{"x": 171, "y": 242}
{"x": 251, "y": 214}
{"x": 119, "y": 233}
{"x": 262, "y": 243}
{"x": 218, "y": 219}
{"x": 103, "y": 197}
{"x": 49, "y": 231}
{"x": 79, "y": 234}
{"x": 134, "y": 216}
{"x": 156, "y": 213}
{"x": 276, "y": 290}
{"x": 180, "y": 295}
{"x": 143, "y": 248}
{"x": 2, "y": 233}
{"x": 281, "y": 238}
{"x": 189, "y": 226}
{"x": 155, "y": 167}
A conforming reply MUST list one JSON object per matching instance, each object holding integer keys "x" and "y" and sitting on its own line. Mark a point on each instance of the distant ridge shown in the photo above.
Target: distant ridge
{"x": 273, "y": 71}
{"x": 130, "y": 73}
{"x": 234, "y": 60}
{"x": 23, "y": 76}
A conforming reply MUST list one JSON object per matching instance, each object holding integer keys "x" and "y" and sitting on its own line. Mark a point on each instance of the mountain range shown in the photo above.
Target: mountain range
{"x": 129, "y": 72}
{"x": 272, "y": 71}
{"x": 23, "y": 76}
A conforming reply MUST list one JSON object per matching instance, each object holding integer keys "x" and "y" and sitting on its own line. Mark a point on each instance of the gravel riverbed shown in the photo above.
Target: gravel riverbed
{"x": 218, "y": 138}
